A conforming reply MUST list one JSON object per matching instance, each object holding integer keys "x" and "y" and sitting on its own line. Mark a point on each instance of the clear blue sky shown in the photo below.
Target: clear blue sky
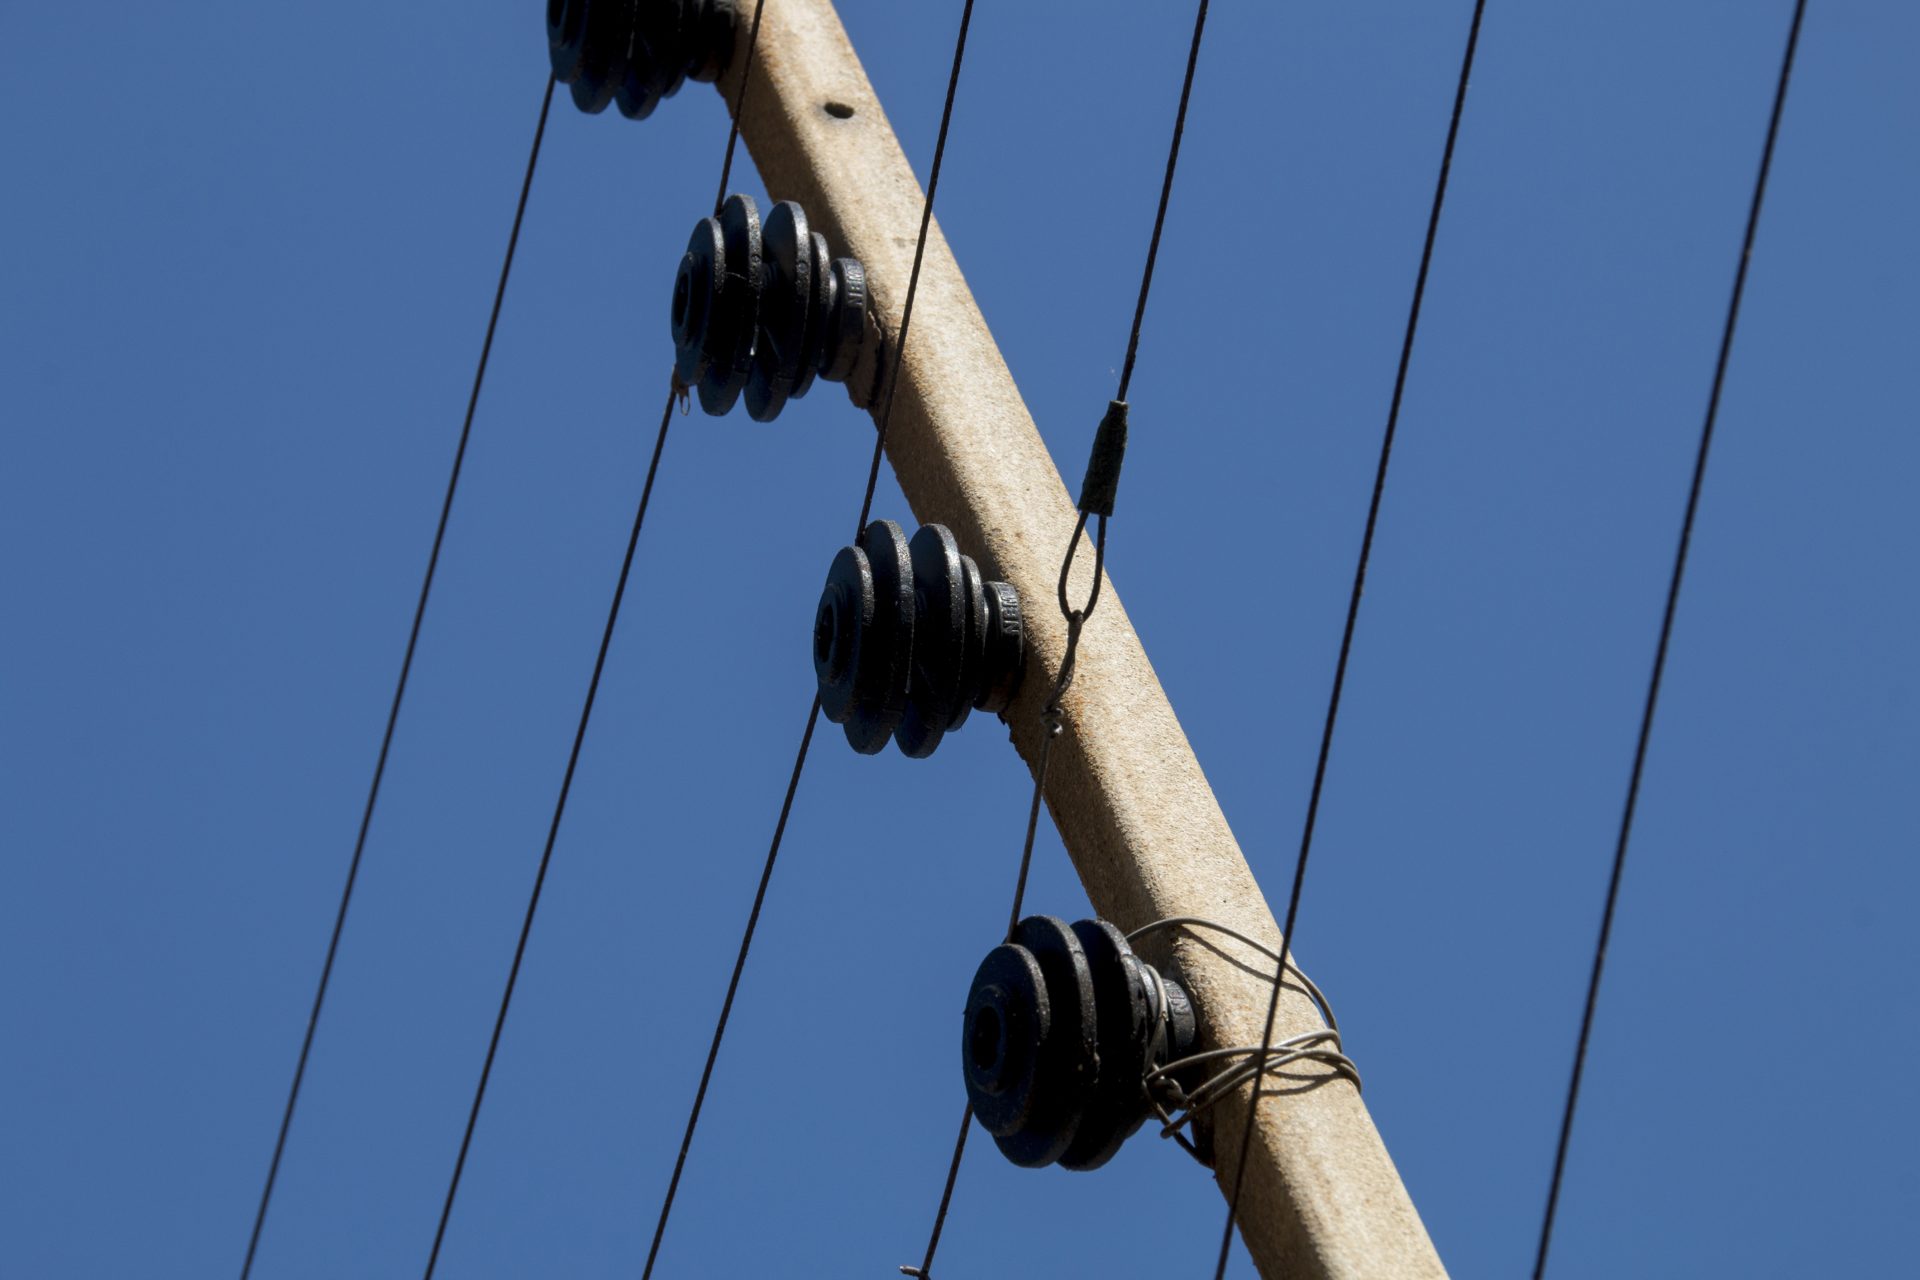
{"x": 248, "y": 254}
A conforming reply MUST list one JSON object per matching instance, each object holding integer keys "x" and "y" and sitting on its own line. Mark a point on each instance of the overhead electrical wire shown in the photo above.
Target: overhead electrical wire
{"x": 399, "y": 692}
{"x": 1666, "y": 636}
{"x": 553, "y": 834}
{"x": 813, "y": 713}
{"x": 1637, "y": 770}
{"x": 586, "y": 714}
{"x": 1076, "y": 618}
{"x": 1353, "y": 614}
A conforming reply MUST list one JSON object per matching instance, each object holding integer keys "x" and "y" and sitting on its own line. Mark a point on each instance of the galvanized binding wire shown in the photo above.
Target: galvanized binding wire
{"x": 813, "y": 713}
{"x": 1178, "y": 1107}
{"x": 1666, "y": 635}
{"x": 399, "y": 693}
{"x": 1353, "y": 613}
{"x": 674, "y": 393}
{"x": 1096, "y": 504}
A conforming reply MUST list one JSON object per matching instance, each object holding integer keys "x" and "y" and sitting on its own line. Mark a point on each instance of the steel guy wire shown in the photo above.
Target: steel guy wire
{"x": 674, "y": 393}
{"x": 1051, "y": 715}
{"x": 1666, "y": 635}
{"x": 399, "y": 691}
{"x": 813, "y": 713}
{"x": 1353, "y": 613}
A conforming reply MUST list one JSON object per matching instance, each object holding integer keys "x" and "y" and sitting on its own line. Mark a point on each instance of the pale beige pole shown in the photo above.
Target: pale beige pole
{"x": 1136, "y": 814}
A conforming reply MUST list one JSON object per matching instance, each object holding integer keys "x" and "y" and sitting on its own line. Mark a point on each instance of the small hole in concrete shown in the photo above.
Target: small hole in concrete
{"x": 840, "y": 111}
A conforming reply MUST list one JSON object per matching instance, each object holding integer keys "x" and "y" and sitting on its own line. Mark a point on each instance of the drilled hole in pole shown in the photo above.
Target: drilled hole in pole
{"x": 840, "y": 111}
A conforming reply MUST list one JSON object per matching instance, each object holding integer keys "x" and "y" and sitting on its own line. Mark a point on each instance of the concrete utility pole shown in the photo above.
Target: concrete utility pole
{"x": 1141, "y": 823}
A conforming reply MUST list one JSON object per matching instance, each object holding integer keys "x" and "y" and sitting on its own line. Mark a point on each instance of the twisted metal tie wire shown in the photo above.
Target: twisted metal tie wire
{"x": 813, "y": 713}
{"x": 1666, "y": 635}
{"x": 1307, "y": 984}
{"x": 399, "y": 694}
{"x": 676, "y": 394}
{"x": 1161, "y": 1086}
{"x": 1353, "y": 613}
{"x": 1178, "y": 1108}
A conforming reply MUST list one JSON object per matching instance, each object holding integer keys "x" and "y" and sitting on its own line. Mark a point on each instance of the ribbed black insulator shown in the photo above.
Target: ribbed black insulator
{"x": 636, "y": 52}
{"x": 909, "y": 638}
{"x": 761, "y": 308}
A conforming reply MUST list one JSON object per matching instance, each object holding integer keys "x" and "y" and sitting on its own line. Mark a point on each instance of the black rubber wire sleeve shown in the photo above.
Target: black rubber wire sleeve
{"x": 399, "y": 693}
{"x": 1666, "y": 635}
{"x": 1352, "y": 618}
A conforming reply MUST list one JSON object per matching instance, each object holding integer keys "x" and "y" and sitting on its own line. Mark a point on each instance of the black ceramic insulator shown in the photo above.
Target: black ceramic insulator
{"x": 766, "y": 306}
{"x": 716, "y": 300}
{"x": 863, "y": 636}
{"x": 909, "y": 638}
{"x": 1062, "y": 1024}
{"x": 637, "y": 52}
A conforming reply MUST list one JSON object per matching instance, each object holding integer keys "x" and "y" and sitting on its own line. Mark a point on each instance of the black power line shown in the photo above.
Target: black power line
{"x": 813, "y": 713}
{"x": 553, "y": 833}
{"x": 1108, "y": 454}
{"x": 586, "y": 709}
{"x": 1353, "y": 614}
{"x": 1666, "y": 635}
{"x": 1166, "y": 194}
{"x": 399, "y": 693}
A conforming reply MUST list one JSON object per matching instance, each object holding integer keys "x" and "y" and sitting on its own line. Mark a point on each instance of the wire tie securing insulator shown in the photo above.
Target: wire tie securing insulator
{"x": 1179, "y": 1106}
{"x": 1102, "y": 480}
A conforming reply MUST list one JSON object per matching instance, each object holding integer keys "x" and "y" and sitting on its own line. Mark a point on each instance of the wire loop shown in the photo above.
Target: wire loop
{"x": 1067, "y": 610}
{"x": 1176, "y": 1105}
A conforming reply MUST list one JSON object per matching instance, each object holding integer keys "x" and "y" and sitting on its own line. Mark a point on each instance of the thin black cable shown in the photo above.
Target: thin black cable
{"x": 946, "y": 1197}
{"x": 733, "y": 987}
{"x": 919, "y": 252}
{"x": 1013, "y": 917}
{"x": 1166, "y": 193}
{"x": 1666, "y": 635}
{"x": 1353, "y": 614}
{"x": 399, "y": 692}
{"x": 1051, "y": 719}
{"x": 1033, "y": 826}
{"x": 739, "y": 101}
{"x": 586, "y": 710}
{"x": 813, "y": 714}
{"x": 1076, "y": 618}
{"x": 553, "y": 834}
